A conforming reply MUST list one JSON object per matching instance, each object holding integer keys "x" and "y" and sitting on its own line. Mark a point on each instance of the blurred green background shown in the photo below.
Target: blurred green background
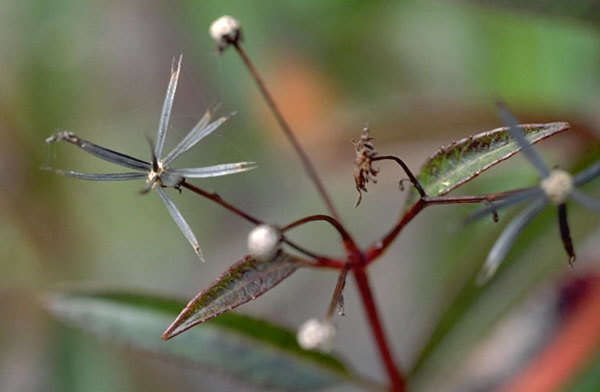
{"x": 420, "y": 73}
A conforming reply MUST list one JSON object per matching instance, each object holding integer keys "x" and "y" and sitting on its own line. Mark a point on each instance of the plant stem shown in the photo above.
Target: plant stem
{"x": 396, "y": 380}
{"x": 217, "y": 199}
{"x": 410, "y": 175}
{"x": 376, "y": 250}
{"x": 337, "y": 292}
{"x": 325, "y": 218}
{"x": 308, "y": 166}
{"x": 320, "y": 260}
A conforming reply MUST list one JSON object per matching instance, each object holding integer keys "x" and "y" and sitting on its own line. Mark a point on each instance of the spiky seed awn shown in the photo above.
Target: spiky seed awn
{"x": 555, "y": 187}
{"x": 157, "y": 173}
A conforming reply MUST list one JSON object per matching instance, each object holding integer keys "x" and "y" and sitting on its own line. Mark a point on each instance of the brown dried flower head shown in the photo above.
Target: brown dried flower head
{"x": 363, "y": 169}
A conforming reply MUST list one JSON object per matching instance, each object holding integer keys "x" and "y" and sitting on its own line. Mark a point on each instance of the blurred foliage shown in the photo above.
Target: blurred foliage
{"x": 250, "y": 349}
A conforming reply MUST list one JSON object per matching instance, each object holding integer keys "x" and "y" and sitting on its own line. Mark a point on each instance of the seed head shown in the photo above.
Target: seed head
{"x": 315, "y": 334}
{"x": 225, "y": 31}
{"x": 264, "y": 242}
{"x": 557, "y": 186}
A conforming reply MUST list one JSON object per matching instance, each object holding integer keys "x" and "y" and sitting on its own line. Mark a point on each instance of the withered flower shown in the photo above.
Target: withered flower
{"x": 363, "y": 162}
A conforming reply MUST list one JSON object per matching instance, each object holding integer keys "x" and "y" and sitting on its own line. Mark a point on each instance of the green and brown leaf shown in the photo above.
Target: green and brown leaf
{"x": 241, "y": 283}
{"x": 465, "y": 159}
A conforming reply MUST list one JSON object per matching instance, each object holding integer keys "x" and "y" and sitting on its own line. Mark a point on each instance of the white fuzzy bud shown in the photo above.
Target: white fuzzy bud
{"x": 264, "y": 242}
{"x": 225, "y": 31}
{"x": 316, "y": 334}
{"x": 557, "y": 186}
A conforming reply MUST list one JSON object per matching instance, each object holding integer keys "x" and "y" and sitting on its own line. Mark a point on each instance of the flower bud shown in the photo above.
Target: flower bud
{"x": 225, "y": 31}
{"x": 316, "y": 334}
{"x": 557, "y": 186}
{"x": 263, "y": 242}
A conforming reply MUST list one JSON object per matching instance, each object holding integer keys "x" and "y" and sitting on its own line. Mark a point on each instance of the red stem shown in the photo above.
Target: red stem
{"x": 217, "y": 199}
{"x": 376, "y": 250}
{"x": 348, "y": 241}
{"x": 397, "y": 381}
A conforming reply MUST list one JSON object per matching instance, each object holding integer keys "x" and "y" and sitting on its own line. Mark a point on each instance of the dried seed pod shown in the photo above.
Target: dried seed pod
{"x": 363, "y": 169}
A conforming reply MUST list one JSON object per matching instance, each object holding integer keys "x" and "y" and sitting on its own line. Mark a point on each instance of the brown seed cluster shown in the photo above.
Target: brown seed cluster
{"x": 363, "y": 169}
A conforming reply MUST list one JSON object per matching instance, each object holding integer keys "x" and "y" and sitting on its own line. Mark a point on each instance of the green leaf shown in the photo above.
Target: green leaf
{"x": 245, "y": 347}
{"x": 244, "y": 281}
{"x": 473, "y": 311}
{"x": 465, "y": 159}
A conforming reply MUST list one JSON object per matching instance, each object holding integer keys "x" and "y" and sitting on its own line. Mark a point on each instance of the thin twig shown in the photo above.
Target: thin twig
{"x": 320, "y": 260}
{"x": 337, "y": 292}
{"x": 217, "y": 199}
{"x": 320, "y": 217}
{"x": 351, "y": 247}
{"x": 376, "y": 250}
{"x": 310, "y": 170}
{"x": 410, "y": 175}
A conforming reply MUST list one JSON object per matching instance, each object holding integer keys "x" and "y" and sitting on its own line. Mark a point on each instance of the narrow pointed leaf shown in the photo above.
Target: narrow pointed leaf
{"x": 244, "y": 281}
{"x": 244, "y": 347}
{"x": 465, "y": 159}
{"x": 588, "y": 202}
{"x": 165, "y": 114}
{"x": 517, "y": 134}
{"x": 214, "y": 171}
{"x": 181, "y": 222}
{"x": 505, "y": 241}
{"x": 100, "y": 152}
{"x": 97, "y": 176}
{"x": 199, "y": 132}
{"x": 587, "y": 174}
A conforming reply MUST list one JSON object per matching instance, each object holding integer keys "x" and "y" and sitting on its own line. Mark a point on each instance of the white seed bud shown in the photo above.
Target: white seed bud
{"x": 316, "y": 334}
{"x": 264, "y": 242}
{"x": 225, "y": 31}
{"x": 557, "y": 186}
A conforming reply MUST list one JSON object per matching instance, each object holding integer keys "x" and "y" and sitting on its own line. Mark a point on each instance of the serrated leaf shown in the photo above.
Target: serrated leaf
{"x": 242, "y": 346}
{"x": 242, "y": 282}
{"x": 465, "y": 159}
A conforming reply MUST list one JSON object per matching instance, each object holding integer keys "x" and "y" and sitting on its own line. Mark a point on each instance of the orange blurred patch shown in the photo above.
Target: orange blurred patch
{"x": 304, "y": 96}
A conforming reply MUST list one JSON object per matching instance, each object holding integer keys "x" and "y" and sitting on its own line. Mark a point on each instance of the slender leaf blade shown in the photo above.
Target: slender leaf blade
{"x": 465, "y": 159}
{"x": 242, "y": 346}
{"x": 242, "y": 282}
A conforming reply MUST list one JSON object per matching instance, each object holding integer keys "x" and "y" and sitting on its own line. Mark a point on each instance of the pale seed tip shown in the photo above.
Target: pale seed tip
{"x": 225, "y": 31}
{"x": 58, "y": 136}
{"x": 316, "y": 335}
{"x": 264, "y": 242}
{"x": 557, "y": 186}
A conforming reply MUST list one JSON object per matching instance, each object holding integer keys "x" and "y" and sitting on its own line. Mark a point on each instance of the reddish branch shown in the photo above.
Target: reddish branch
{"x": 362, "y": 281}
{"x": 376, "y": 250}
{"x": 217, "y": 199}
